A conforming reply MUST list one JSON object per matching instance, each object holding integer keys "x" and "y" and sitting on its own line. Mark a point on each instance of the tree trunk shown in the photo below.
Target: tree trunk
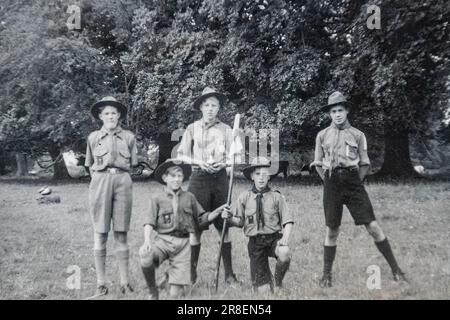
{"x": 2, "y": 162}
{"x": 165, "y": 145}
{"x": 397, "y": 160}
{"x": 59, "y": 167}
{"x": 21, "y": 162}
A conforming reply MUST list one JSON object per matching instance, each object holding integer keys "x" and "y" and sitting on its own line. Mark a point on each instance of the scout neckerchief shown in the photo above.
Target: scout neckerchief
{"x": 335, "y": 144}
{"x": 259, "y": 205}
{"x": 113, "y": 133}
{"x": 174, "y": 195}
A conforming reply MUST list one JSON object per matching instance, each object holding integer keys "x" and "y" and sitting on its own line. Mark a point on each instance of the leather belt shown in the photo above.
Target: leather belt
{"x": 112, "y": 170}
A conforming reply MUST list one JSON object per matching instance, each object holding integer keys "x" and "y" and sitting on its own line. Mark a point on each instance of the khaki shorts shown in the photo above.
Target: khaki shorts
{"x": 178, "y": 251}
{"x": 110, "y": 200}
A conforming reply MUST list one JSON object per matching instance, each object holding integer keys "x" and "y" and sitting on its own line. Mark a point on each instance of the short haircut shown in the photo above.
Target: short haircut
{"x": 100, "y": 110}
{"x": 172, "y": 170}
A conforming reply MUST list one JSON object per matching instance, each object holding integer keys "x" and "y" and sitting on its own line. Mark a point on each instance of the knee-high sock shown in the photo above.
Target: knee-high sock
{"x": 149, "y": 276}
{"x": 281, "y": 268}
{"x": 385, "y": 248}
{"x": 226, "y": 258}
{"x": 100, "y": 260}
{"x": 123, "y": 258}
{"x": 329, "y": 253}
{"x": 195, "y": 253}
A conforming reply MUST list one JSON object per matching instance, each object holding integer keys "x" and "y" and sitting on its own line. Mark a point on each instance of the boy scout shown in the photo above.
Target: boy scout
{"x": 267, "y": 222}
{"x": 342, "y": 162}
{"x": 111, "y": 152}
{"x": 205, "y": 145}
{"x": 173, "y": 214}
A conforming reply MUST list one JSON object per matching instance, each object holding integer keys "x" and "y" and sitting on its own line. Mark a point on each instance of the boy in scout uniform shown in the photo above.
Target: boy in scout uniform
{"x": 111, "y": 152}
{"x": 342, "y": 162}
{"x": 173, "y": 214}
{"x": 267, "y": 222}
{"x": 206, "y": 145}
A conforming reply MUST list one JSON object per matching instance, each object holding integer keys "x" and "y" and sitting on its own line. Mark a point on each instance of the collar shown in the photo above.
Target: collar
{"x": 344, "y": 126}
{"x": 105, "y": 132}
{"x": 171, "y": 194}
{"x": 209, "y": 125}
{"x": 253, "y": 194}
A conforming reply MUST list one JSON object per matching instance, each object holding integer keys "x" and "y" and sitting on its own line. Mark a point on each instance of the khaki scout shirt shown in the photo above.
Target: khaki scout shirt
{"x": 179, "y": 212}
{"x": 206, "y": 142}
{"x": 115, "y": 149}
{"x": 276, "y": 213}
{"x": 346, "y": 147}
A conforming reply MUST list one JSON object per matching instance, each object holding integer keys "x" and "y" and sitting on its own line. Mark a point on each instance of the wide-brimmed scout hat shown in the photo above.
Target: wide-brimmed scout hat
{"x": 162, "y": 168}
{"x": 108, "y": 101}
{"x": 258, "y": 162}
{"x": 334, "y": 99}
{"x": 209, "y": 92}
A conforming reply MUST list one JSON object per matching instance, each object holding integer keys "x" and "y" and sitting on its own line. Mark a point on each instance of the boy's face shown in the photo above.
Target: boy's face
{"x": 173, "y": 178}
{"x": 338, "y": 114}
{"x": 209, "y": 108}
{"x": 110, "y": 117}
{"x": 261, "y": 177}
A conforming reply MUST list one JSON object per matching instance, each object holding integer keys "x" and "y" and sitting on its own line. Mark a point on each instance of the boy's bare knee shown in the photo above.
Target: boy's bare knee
{"x": 100, "y": 240}
{"x": 375, "y": 231}
{"x": 194, "y": 239}
{"x": 284, "y": 254}
{"x": 146, "y": 260}
{"x": 331, "y": 236}
{"x": 176, "y": 291}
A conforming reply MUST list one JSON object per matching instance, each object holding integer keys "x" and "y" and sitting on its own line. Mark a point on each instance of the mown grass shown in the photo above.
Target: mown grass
{"x": 39, "y": 242}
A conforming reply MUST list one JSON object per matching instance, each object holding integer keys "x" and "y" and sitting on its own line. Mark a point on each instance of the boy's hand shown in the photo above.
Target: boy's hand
{"x": 206, "y": 166}
{"x": 216, "y": 167}
{"x": 226, "y": 212}
{"x": 282, "y": 242}
{"x": 145, "y": 248}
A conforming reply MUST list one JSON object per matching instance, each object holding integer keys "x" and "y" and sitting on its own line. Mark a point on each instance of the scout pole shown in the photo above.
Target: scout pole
{"x": 237, "y": 119}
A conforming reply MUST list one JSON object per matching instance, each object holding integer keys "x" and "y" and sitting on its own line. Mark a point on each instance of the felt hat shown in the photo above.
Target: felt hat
{"x": 162, "y": 168}
{"x": 258, "y": 162}
{"x": 108, "y": 101}
{"x": 209, "y": 92}
{"x": 334, "y": 99}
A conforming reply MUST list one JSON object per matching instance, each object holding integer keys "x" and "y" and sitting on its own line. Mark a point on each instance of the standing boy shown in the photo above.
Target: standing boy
{"x": 206, "y": 145}
{"x": 267, "y": 222}
{"x": 173, "y": 214}
{"x": 111, "y": 152}
{"x": 342, "y": 162}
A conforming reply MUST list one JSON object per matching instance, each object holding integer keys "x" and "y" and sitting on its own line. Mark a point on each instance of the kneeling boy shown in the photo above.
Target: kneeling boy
{"x": 263, "y": 214}
{"x": 173, "y": 214}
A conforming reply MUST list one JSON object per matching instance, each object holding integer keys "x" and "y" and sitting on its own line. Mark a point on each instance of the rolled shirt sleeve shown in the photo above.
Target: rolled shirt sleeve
{"x": 362, "y": 150}
{"x": 134, "y": 152}
{"x": 239, "y": 211}
{"x": 184, "y": 149}
{"x": 285, "y": 213}
{"x": 318, "y": 152}
{"x": 152, "y": 213}
{"x": 200, "y": 215}
{"x": 89, "y": 161}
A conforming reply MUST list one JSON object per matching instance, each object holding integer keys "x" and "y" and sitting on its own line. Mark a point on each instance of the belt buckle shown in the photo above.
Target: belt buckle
{"x": 113, "y": 170}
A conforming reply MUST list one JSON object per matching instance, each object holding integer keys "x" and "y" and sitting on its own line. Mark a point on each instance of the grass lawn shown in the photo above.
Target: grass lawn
{"x": 39, "y": 242}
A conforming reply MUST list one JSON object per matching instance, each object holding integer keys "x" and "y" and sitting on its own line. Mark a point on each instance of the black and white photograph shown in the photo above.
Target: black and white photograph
{"x": 243, "y": 151}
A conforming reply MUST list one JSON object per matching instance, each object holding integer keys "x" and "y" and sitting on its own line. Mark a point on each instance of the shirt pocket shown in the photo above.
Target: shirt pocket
{"x": 271, "y": 217}
{"x": 123, "y": 149}
{"x": 165, "y": 218}
{"x": 100, "y": 152}
{"x": 250, "y": 213}
{"x": 351, "y": 149}
{"x": 326, "y": 154}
